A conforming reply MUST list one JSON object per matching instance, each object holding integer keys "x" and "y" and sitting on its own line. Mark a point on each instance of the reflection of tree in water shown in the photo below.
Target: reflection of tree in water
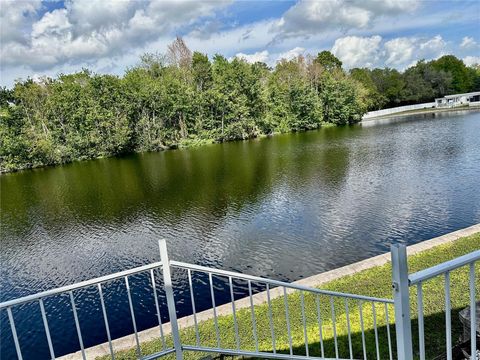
{"x": 203, "y": 183}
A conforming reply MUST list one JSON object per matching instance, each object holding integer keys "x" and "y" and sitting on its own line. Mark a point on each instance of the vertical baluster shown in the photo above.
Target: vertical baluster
{"x": 360, "y": 305}
{"x": 320, "y": 330}
{"x": 192, "y": 298}
{"x": 374, "y": 312}
{"x": 132, "y": 313}
{"x": 270, "y": 319}
{"x": 448, "y": 316}
{"x": 157, "y": 307}
{"x": 304, "y": 321}
{"x": 334, "y": 325}
{"x": 77, "y": 325}
{"x": 287, "y": 316}
{"x": 105, "y": 319}
{"x": 170, "y": 295}
{"x": 14, "y": 333}
{"x": 217, "y": 332}
{"x": 421, "y": 328}
{"x": 252, "y": 309}
{"x": 348, "y": 329}
{"x": 401, "y": 296}
{"x": 388, "y": 333}
{"x": 234, "y": 312}
{"x": 473, "y": 322}
{"x": 47, "y": 330}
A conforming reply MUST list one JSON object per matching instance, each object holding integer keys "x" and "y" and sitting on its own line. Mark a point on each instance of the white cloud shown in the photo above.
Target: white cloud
{"x": 15, "y": 15}
{"x": 98, "y": 15}
{"x": 468, "y": 42}
{"x": 399, "y": 51}
{"x": 307, "y": 17}
{"x": 291, "y": 54}
{"x": 404, "y": 51}
{"x": 241, "y": 38}
{"x": 434, "y": 46}
{"x": 355, "y": 51}
{"x": 87, "y": 31}
{"x": 260, "y": 56}
{"x": 109, "y": 35}
{"x": 471, "y": 60}
{"x": 388, "y": 6}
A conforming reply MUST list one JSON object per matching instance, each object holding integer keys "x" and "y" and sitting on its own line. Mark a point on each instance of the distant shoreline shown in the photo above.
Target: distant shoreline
{"x": 202, "y": 142}
{"x": 422, "y": 111}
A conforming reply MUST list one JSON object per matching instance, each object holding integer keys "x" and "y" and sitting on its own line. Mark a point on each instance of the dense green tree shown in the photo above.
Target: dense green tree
{"x": 424, "y": 82}
{"x": 328, "y": 61}
{"x": 6, "y": 96}
{"x": 475, "y": 74}
{"x": 341, "y": 104}
{"x": 462, "y": 80}
{"x": 374, "y": 99}
{"x": 292, "y": 99}
{"x": 202, "y": 71}
{"x": 180, "y": 98}
{"x": 391, "y": 84}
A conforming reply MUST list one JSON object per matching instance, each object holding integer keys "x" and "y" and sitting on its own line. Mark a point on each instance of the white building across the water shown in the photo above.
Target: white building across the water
{"x": 471, "y": 99}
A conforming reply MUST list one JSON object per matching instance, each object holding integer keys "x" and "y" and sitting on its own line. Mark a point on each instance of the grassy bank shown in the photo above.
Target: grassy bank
{"x": 372, "y": 282}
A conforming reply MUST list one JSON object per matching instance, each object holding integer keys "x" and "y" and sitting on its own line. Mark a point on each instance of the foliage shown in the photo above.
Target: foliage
{"x": 421, "y": 82}
{"x": 462, "y": 79}
{"x": 182, "y": 98}
{"x": 328, "y": 61}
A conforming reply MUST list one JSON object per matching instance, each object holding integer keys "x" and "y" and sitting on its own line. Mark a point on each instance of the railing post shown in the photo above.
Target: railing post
{"x": 400, "y": 285}
{"x": 167, "y": 281}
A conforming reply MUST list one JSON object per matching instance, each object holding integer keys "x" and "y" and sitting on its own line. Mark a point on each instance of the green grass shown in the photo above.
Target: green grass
{"x": 372, "y": 282}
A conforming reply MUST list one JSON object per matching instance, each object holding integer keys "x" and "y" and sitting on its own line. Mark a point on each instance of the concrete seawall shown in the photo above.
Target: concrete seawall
{"x": 396, "y": 110}
{"x": 371, "y": 118}
{"x": 128, "y": 341}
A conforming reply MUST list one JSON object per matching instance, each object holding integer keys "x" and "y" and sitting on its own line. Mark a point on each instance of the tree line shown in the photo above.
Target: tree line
{"x": 420, "y": 83}
{"x": 182, "y": 98}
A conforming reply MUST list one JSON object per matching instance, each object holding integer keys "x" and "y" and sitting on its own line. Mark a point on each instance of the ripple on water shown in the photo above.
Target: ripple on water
{"x": 285, "y": 207}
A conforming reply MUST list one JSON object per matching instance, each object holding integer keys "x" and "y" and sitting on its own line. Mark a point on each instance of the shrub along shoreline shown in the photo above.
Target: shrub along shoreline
{"x": 181, "y": 99}
{"x": 376, "y": 282}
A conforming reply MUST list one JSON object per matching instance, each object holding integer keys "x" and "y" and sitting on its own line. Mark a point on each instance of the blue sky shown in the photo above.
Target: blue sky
{"x": 47, "y": 38}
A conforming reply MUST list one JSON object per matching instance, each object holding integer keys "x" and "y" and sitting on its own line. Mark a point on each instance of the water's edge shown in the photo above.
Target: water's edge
{"x": 128, "y": 342}
{"x": 204, "y": 142}
{"x": 420, "y": 112}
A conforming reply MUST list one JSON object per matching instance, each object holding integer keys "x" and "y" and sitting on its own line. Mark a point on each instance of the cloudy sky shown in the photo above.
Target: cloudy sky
{"x": 50, "y": 37}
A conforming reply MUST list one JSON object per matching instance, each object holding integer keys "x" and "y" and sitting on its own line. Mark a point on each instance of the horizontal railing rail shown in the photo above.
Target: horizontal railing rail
{"x": 322, "y": 306}
{"x": 329, "y": 306}
{"x": 79, "y": 285}
{"x": 294, "y": 286}
{"x": 403, "y": 281}
{"x": 442, "y": 268}
{"x": 70, "y": 289}
{"x": 255, "y": 354}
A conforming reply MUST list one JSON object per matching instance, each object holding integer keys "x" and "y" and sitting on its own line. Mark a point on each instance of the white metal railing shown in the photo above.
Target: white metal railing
{"x": 316, "y": 299}
{"x": 285, "y": 288}
{"x": 70, "y": 289}
{"x": 402, "y": 281}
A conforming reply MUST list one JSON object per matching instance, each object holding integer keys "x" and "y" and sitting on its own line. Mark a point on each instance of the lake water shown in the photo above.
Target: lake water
{"x": 285, "y": 207}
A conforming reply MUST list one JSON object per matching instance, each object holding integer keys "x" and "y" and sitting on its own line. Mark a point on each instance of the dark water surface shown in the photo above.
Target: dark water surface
{"x": 284, "y": 207}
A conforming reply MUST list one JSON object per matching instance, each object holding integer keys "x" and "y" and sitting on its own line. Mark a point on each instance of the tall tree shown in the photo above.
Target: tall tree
{"x": 462, "y": 80}
{"x": 328, "y": 61}
{"x": 179, "y": 54}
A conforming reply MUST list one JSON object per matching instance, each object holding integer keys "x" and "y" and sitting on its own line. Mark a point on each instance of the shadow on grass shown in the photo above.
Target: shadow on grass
{"x": 435, "y": 335}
